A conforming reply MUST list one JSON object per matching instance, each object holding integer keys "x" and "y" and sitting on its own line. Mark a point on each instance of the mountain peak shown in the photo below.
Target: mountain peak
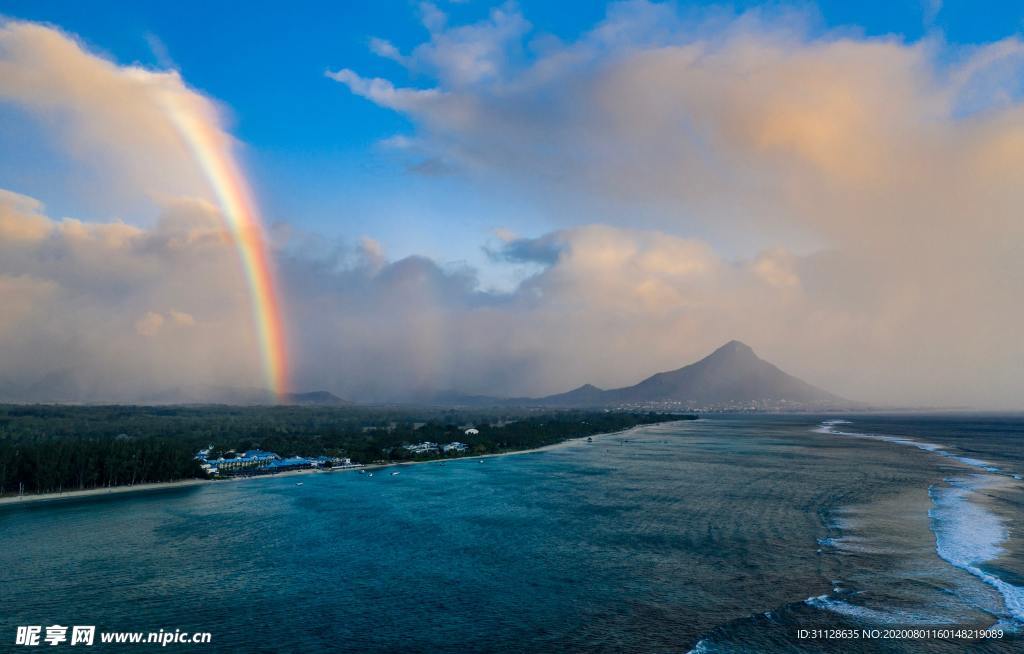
{"x": 734, "y": 347}
{"x": 732, "y": 375}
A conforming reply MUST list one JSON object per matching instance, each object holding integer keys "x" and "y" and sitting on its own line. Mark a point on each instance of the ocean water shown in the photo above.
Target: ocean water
{"x": 729, "y": 534}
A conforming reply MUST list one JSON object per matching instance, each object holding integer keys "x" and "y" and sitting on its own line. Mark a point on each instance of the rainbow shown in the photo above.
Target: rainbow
{"x": 212, "y": 150}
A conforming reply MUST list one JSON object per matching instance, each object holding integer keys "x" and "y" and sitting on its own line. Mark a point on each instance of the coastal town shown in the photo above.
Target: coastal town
{"x": 262, "y": 462}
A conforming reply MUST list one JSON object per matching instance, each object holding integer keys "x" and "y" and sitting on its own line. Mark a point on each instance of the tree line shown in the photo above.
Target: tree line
{"x": 53, "y": 448}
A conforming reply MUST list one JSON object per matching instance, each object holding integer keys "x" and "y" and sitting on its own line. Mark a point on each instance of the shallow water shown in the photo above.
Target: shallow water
{"x": 727, "y": 534}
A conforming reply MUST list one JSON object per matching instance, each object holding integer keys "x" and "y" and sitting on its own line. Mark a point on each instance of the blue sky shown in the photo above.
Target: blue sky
{"x": 312, "y": 146}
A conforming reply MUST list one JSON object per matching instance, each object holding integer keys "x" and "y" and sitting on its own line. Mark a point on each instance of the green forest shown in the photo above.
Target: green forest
{"x": 54, "y": 448}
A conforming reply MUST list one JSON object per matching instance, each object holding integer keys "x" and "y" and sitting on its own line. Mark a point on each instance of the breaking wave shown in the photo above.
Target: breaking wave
{"x": 967, "y": 534}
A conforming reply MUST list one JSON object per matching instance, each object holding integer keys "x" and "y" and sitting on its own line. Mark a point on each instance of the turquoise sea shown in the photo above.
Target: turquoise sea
{"x": 728, "y": 534}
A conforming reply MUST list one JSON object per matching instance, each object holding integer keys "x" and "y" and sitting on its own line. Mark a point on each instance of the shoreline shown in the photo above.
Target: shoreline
{"x": 17, "y": 500}
{"x": 90, "y": 493}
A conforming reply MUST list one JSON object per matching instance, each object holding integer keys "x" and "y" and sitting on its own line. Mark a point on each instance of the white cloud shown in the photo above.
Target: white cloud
{"x": 382, "y": 91}
{"x": 149, "y": 324}
{"x": 100, "y": 311}
{"x": 112, "y": 121}
{"x": 104, "y": 311}
{"x": 182, "y": 319}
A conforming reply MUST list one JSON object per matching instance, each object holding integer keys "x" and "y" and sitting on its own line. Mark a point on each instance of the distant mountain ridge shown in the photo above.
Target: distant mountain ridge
{"x": 65, "y": 386}
{"x": 731, "y": 375}
{"x": 314, "y": 398}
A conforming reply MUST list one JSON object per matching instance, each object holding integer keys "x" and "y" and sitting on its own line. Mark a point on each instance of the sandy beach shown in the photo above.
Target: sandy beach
{"x": 101, "y": 492}
{"x": 13, "y": 500}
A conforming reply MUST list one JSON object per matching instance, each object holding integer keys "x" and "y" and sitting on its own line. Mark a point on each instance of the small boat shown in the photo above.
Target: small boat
{"x": 298, "y": 483}
{"x": 362, "y": 472}
{"x": 371, "y": 474}
{"x": 589, "y": 439}
{"x": 394, "y": 473}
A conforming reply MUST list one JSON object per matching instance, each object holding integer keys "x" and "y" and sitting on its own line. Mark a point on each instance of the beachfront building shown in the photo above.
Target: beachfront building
{"x": 257, "y": 455}
{"x": 247, "y": 461}
{"x": 260, "y": 462}
{"x": 285, "y": 465}
{"x": 422, "y": 448}
{"x": 456, "y": 447}
{"x": 335, "y": 462}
